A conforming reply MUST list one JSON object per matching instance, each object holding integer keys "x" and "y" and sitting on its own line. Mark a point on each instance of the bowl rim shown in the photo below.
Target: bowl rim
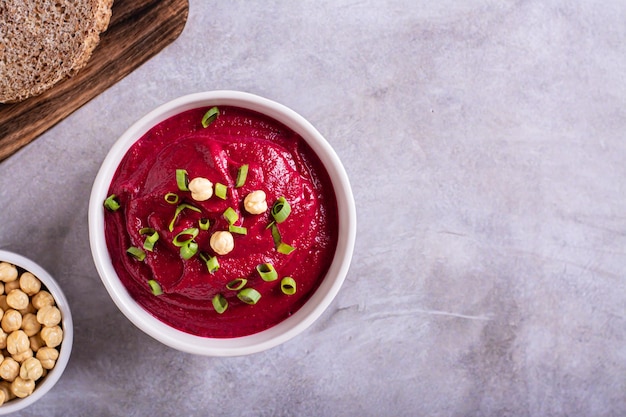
{"x": 288, "y": 328}
{"x": 54, "y": 375}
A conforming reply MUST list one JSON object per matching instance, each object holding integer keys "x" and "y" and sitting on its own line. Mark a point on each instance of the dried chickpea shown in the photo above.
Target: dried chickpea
{"x": 29, "y": 283}
{"x": 36, "y": 342}
{"x": 49, "y": 316}
{"x": 41, "y": 299}
{"x": 28, "y": 310}
{"x": 10, "y": 286}
{"x": 22, "y": 356}
{"x": 5, "y": 387}
{"x": 3, "y": 302}
{"x": 9, "y": 369}
{"x": 30, "y": 325}
{"x": 8, "y": 272}
{"x": 3, "y": 397}
{"x": 1, "y": 287}
{"x": 22, "y": 387}
{"x": 17, "y": 342}
{"x": 11, "y": 321}
{"x": 48, "y": 357}
{"x": 3, "y": 340}
{"x": 31, "y": 369}
{"x": 53, "y": 336}
{"x": 17, "y": 299}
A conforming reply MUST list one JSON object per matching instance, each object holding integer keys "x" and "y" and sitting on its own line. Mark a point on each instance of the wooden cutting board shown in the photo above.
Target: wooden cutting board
{"x": 138, "y": 30}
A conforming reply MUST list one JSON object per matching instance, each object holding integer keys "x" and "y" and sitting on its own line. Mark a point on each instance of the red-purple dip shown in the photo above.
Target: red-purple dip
{"x": 280, "y": 163}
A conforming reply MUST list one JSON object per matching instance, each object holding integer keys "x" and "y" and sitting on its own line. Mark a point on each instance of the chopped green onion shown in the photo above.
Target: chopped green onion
{"x": 192, "y": 231}
{"x": 155, "y": 287}
{"x": 112, "y": 203}
{"x": 237, "y": 284}
{"x": 152, "y": 238}
{"x": 238, "y": 230}
{"x": 188, "y": 250}
{"x": 171, "y": 198}
{"x": 182, "y": 180}
{"x": 249, "y": 295}
{"x": 276, "y": 235}
{"x": 230, "y": 215}
{"x": 242, "y": 174}
{"x": 210, "y": 261}
{"x": 220, "y": 304}
{"x": 220, "y": 190}
{"x": 180, "y": 208}
{"x": 284, "y": 248}
{"x": 288, "y": 285}
{"x": 281, "y": 210}
{"x": 136, "y": 253}
{"x": 267, "y": 272}
{"x": 210, "y": 116}
{"x": 204, "y": 224}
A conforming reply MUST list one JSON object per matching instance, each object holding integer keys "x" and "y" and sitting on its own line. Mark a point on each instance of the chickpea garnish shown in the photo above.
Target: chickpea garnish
{"x": 201, "y": 189}
{"x": 222, "y": 242}
{"x": 255, "y": 202}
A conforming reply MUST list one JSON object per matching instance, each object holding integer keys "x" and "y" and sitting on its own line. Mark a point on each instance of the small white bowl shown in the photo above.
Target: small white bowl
{"x": 284, "y": 330}
{"x": 45, "y": 384}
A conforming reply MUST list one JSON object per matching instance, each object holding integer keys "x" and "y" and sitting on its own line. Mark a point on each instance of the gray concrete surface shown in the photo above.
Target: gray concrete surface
{"x": 485, "y": 141}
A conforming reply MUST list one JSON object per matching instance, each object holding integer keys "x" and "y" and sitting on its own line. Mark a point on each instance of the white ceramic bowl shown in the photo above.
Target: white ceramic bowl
{"x": 277, "y": 334}
{"x": 45, "y": 384}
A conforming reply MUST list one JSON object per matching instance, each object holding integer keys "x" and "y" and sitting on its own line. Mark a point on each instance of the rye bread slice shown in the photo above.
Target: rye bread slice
{"x": 44, "y": 41}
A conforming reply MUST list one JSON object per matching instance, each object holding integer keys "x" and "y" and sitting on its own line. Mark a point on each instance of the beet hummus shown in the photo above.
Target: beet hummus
{"x": 159, "y": 236}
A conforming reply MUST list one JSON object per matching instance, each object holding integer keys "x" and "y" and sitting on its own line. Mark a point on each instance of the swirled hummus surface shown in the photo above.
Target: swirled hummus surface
{"x": 280, "y": 163}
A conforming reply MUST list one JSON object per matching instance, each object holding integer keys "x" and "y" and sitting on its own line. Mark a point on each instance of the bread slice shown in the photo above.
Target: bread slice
{"x": 42, "y": 42}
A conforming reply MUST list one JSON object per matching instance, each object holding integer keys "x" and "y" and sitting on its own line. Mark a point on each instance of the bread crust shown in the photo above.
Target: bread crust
{"x": 43, "y": 42}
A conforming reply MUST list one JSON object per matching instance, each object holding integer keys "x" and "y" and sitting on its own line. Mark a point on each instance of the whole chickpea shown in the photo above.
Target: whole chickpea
{"x": 36, "y": 342}
{"x": 53, "y": 336}
{"x": 11, "y": 321}
{"x": 17, "y": 342}
{"x": 49, "y": 316}
{"x": 1, "y": 287}
{"x": 22, "y": 356}
{"x": 10, "y": 286}
{"x": 3, "y": 397}
{"x": 48, "y": 357}
{"x": 29, "y": 283}
{"x": 17, "y": 299}
{"x": 3, "y": 339}
{"x": 3, "y": 302}
{"x": 222, "y": 242}
{"x": 31, "y": 369}
{"x": 30, "y": 325}
{"x": 29, "y": 309}
{"x": 201, "y": 189}
{"x": 8, "y": 272}
{"x": 5, "y": 387}
{"x": 22, "y": 387}
{"x": 9, "y": 369}
{"x": 255, "y": 202}
{"x": 41, "y": 299}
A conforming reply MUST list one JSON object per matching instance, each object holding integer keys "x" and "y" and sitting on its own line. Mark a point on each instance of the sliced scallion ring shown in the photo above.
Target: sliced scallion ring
{"x": 211, "y": 262}
{"x": 152, "y": 238}
{"x": 136, "y": 253}
{"x": 188, "y": 250}
{"x": 155, "y": 287}
{"x": 288, "y": 285}
{"x": 249, "y": 296}
{"x": 276, "y": 235}
{"x": 238, "y": 230}
{"x": 237, "y": 284}
{"x": 267, "y": 272}
{"x": 191, "y": 233}
{"x": 182, "y": 180}
{"x": 242, "y": 174}
{"x": 230, "y": 215}
{"x": 171, "y": 198}
{"x": 284, "y": 248}
{"x": 180, "y": 208}
{"x": 204, "y": 224}
{"x": 281, "y": 210}
{"x": 210, "y": 116}
{"x": 221, "y": 190}
{"x": 111, "y": 203}
{"x": 220, "y": 304}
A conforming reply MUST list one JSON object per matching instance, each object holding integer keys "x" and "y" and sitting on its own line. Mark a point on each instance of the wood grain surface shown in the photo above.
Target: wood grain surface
{"x": 138, "y": 30}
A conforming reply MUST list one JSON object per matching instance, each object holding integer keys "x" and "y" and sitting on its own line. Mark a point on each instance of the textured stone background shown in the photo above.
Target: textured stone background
{"x": 485, "y": 141}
